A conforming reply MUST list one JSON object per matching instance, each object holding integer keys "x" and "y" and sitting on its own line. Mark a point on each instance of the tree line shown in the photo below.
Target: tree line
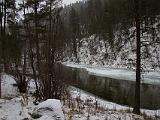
{"x": 106, "y": 18}
{"x": 32, "y": 44}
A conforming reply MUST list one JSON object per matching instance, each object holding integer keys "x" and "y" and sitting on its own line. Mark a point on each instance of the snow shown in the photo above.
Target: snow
{"x": 50, "y": 108}
{"x": 20, "y": 106}
{"x": 7, "y": 86}
{"x": 13, "y": 110}
{"x": 150, "y": 77}
{"x": 85, "y": 95}
{"x": 46, "y": 117}
{"x": 96, "y": 50}
{"x": 76, "y": 92}
{"x": 16, "y": 106}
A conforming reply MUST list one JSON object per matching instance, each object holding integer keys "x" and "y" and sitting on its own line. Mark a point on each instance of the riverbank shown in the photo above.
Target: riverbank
{"x": 79, "y": 106}
{"x": 110, "y": 106}
{"x": 149, "y": 77}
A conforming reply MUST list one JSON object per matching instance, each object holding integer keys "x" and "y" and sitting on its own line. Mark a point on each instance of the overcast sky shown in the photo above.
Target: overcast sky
{"x": 69, "y": 1}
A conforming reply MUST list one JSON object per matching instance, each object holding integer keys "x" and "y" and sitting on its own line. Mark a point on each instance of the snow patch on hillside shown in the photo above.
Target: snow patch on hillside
{"x": 96, "y": 50}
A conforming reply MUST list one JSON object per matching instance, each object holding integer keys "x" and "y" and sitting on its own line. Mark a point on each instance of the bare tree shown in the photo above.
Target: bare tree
{"x": 44, "y": 46}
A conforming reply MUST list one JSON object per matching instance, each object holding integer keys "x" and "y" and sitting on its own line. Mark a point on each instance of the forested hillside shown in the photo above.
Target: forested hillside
{"x": 102, "y": 32}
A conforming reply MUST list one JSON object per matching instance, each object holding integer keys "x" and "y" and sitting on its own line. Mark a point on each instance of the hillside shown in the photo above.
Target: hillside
{"x": 95, "y": 50}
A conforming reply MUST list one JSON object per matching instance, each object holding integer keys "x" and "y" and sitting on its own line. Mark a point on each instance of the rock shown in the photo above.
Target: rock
{"x": 50, "y": 108}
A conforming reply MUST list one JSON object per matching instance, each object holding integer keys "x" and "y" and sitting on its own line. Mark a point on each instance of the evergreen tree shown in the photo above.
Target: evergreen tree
{"x": 74, "y": 30}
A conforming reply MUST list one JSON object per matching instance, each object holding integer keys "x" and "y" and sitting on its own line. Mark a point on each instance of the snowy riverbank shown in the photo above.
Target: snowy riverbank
{"x": 110, "y": 105}
{"x": 16, "y": 106}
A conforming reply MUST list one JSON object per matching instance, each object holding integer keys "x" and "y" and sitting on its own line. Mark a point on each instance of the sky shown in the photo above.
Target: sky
{"x": 69, "y": 1}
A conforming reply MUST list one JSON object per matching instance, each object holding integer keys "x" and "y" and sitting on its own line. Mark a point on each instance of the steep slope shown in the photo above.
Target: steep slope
{"x": 96, "y": 50}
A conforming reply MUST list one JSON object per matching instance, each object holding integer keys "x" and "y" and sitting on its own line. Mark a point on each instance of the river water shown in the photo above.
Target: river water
{"x": 113, "y": 90}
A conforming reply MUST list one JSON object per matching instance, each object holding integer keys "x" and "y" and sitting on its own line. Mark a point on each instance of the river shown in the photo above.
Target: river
{"x": 114, "y": 90}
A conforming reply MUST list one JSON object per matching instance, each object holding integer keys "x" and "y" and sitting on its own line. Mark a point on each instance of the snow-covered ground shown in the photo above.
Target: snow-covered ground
{"x": 7, "y": 86}
{"x": 14, "y": 109}
{"x": 16, "y": 106}
{"x": 109, "y": 105}
{"x": 150, "y": 77}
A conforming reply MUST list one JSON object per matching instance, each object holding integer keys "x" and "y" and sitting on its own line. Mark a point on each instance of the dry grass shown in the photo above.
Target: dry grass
{"x": 88, "y": 107}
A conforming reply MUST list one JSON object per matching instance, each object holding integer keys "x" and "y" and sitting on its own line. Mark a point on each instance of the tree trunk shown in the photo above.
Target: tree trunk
{"x": 37, "y": 48}
{"x": 4, "y": 8}
{"x": 36, "y": 37}
{"x": 0, "y": 82}
{"x": 75, "y": 48}
{"x": 1, "y": 45}
{"x": 136, "y": 109}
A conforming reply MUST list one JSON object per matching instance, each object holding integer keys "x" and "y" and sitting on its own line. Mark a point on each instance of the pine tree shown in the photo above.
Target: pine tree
{"x": 74, "y": 30}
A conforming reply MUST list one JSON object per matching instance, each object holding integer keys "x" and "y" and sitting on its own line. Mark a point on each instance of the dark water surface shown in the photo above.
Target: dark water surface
{"x": 118, "y": 91}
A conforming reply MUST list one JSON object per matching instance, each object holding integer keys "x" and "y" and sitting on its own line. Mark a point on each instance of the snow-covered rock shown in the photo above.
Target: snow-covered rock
{"x": 50, "y": 109}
